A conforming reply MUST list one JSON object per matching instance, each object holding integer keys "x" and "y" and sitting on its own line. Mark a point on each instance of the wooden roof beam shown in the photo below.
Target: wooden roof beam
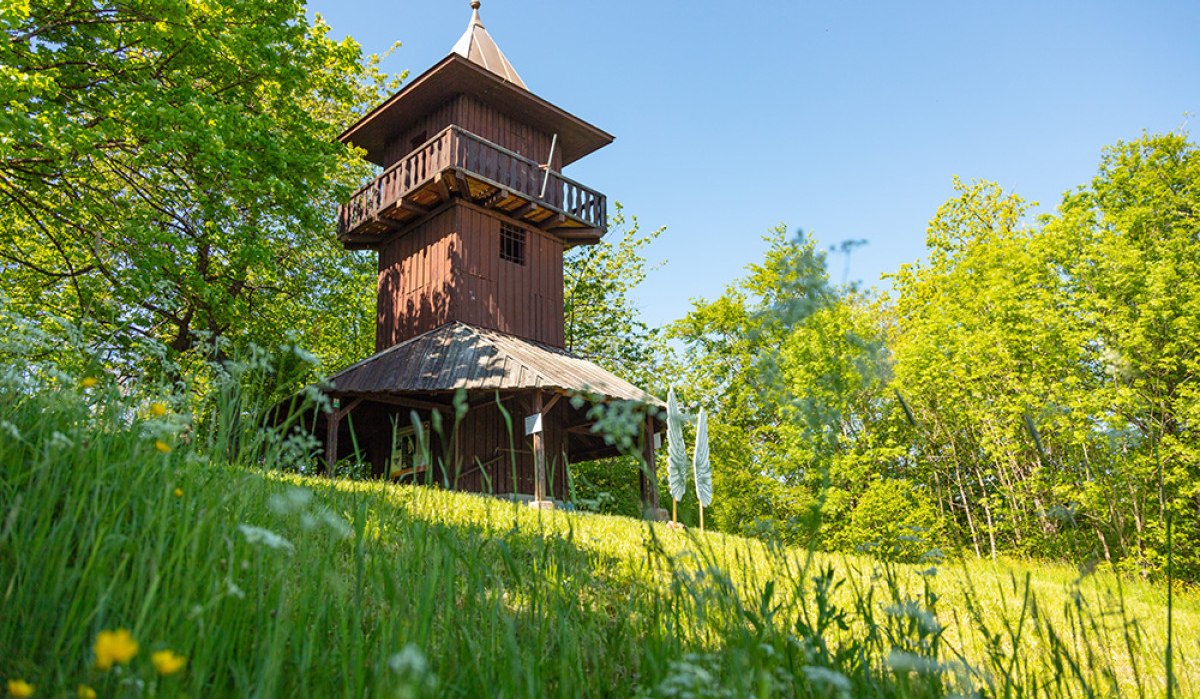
{"x": 551, "y": 222}
{"x": 496, "y": 197}
{"x": 409, "y": 204}
{"x": 523, "y": 209}
{"x": 405, "y": 402}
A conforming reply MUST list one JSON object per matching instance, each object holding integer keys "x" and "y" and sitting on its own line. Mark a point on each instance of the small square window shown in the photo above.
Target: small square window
{"x": 512, "y": 243}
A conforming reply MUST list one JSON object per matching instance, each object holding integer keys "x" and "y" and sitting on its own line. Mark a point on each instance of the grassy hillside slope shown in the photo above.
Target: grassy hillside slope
{"x": 273, "y": 585}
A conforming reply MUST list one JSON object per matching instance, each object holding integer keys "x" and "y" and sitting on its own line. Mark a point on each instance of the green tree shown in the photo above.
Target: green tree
{"x": 1131, "y": 255}
{"x": 169, "y": 171}
{"x": 602, "y": 321}
{"x": 789, "y": 365}
{"x": 986, "y": 350}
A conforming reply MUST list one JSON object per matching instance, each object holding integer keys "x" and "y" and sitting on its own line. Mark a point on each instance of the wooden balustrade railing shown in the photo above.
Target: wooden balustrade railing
{"x": 455, "y": 147}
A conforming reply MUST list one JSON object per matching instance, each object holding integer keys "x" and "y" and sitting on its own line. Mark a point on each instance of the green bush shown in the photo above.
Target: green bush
{"x": 609, "y": 487}
{"x": 893, "y": 521}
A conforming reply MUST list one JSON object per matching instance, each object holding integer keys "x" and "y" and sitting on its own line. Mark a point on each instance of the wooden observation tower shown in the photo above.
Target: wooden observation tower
{"x": 470, "y": 218}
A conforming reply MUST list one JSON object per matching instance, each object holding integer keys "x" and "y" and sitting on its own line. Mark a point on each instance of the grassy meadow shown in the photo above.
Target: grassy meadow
{"x": 115, "y": 517}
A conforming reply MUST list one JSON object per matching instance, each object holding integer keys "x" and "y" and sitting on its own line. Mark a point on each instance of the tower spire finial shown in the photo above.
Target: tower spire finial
{"x": 476, "y": 46}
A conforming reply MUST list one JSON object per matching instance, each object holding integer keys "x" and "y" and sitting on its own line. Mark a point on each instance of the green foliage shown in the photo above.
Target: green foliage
{"x": 1033, "y": 381}
{"x": 285, "y": 586}
{"x": 792, "y": 368}
{"x": 602, "y": 322}
{"x": 608, "y": 487}
{"x": 1045, "y": 370}
{"x": 894, "y": 521}
{"x": 986, "y": 345}
{"x": 1131, "y": 259}
{"x": 170, "y": 171}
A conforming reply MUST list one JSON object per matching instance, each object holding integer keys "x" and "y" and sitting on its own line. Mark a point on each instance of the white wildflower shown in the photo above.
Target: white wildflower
{"x": 291, "y": 500}
{"x": 823, "y": 676}
{"x": 266, "y": 537}
{"x": 903, "y": 661}
{"x": 10, "y": 428}
{"x": 413, "y": 673}
{"x": 232, "y": 590}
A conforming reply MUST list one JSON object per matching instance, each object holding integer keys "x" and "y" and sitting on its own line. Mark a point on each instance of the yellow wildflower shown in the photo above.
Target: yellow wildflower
{"x": 114, "y": 647}
{"x": 85, "y": 692}
{"x": 162, "y": 446}
{"x": 158, "y": 409}
{"x": 20, "y": 688}
{"x": 179, "y": 492}
{"x": 89, "y": 382}
{"x": 167, "y": 663}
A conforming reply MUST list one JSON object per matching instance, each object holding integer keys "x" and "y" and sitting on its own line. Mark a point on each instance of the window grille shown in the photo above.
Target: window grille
{"x": 512, "y": 243}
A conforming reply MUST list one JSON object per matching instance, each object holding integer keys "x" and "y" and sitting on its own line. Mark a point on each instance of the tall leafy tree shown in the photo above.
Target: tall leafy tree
{"x": 757, "y": 357}
{"x": 168, "y": 170}
{"x": 602, "y": 320}
{"x": 987, "y": 355}
{"x": 1131, "y": 255}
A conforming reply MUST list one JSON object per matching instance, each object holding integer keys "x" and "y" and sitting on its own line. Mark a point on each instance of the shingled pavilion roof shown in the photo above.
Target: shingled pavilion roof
{"x": 461, "y": 356}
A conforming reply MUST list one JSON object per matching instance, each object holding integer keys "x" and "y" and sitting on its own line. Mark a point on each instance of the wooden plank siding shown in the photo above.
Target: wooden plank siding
{"x": 415, "y": 283}
{"x": 449, "y": 268}
{"x": 525, "y": 300}
{"x": 481, "y": 119}
{"x": 505, "y": 130}
{"x": 428, "y": 125}
{"x": 488, "y": 459}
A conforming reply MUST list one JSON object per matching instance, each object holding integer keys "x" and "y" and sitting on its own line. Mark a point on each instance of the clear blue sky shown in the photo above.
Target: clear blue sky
{"x": 846, "y": 119}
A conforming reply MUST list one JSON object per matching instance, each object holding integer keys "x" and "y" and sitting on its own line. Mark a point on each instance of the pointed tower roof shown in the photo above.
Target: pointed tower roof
{"x": 477, "y": 46}
{"x": 475, "y": 67}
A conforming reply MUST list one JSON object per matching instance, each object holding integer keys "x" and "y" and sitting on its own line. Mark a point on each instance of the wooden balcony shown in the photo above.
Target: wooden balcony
{"x": 457, "y": 163}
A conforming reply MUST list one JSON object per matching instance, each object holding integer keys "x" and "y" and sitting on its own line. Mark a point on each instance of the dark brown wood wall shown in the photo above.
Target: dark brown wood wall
{"x": 522, "y": 300}
{"x": 483, "y": 440}
{"x": 430, "y": 125}
{"x": 496, "y": 126}
{"x": 416, "y": 280}
{"x": 482, "y": 120}
{"x": 449, "y": 268}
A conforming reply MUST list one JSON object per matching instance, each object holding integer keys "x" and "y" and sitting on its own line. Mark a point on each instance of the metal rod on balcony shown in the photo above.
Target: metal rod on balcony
{"x": 549, "y": 164}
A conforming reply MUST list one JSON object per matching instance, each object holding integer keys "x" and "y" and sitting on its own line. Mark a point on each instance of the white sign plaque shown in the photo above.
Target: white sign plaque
{"x": 533, "y": 424}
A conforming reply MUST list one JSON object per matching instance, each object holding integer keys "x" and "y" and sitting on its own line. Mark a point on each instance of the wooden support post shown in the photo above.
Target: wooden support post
{"x": 539, "y": 455}
{"x": 331, "y": 441}
{"x": 331, "y": 433}
{"x": 649, "y": 475}
{"x": 456, "y": 445}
